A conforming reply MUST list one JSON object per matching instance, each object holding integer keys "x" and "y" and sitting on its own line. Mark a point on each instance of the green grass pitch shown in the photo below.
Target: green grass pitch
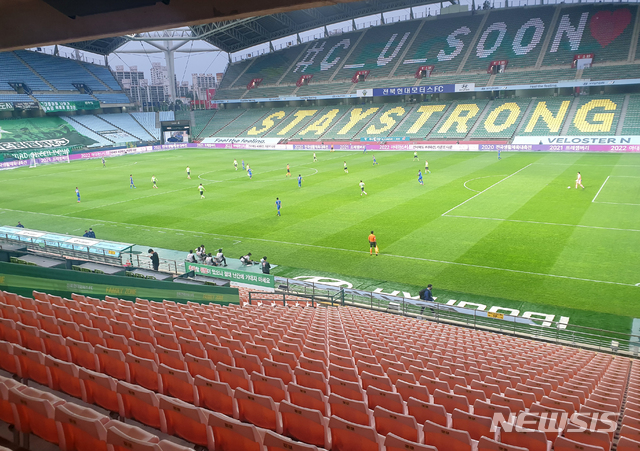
{"x": 505, "y": 233}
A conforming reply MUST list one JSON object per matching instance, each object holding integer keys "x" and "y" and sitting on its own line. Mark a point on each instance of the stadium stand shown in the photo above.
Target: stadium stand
{"x": 242, "y": 125}
{"x": 314, "y": 89}
{"x": 270, "y": 91}
{"x": 101, "y": 140}
{"x": 505, "y": 32}
{"x": 170, "y": 115}
{"x": 97, "y": 125}
{"x": 112, "y": 99}
{"x": 607, "y": 33}
{"x": 15, "y": 98}
{"x": 596, "y": 115}
{"x": 631, "y": 124}
{"x": 612, "y": 72}
{"x": 533, "y": 77}
{"x": 503, "y": 119}
{"x": 287, "y": 128}
{"x": 420, "y": 120}
{"x": 209, "y": 122}
{"x": 269, "y": 67}
{"x": 104, "y": 74}
{"x": 357, "y": 338}
{"x": 478, "y": 79}
{"x": 60, "y": 72}
{"x": 128, "y": 124}
{"x": 148, "y": 121}
{"x": 547, "y": 116}
{"x": 13, "y": 71}
{"x": 70, "y": 97}
{"x": 460, "y": 120}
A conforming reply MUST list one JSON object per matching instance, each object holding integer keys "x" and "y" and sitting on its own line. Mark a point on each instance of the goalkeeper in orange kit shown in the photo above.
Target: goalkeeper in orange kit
{"x": 373, "y": 244}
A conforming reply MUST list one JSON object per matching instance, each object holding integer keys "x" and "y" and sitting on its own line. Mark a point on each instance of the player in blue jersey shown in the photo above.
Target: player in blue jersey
{"x": 499, "y": 158}
{"x": 131, "y": 185}
{"x": 249, "y": 173}
{"x": 299, "y": 181}
{"x": 78, "y": 193}
{"x": 420, "y": 177}
{"x": 278, "y": 205}
{"x": 243, "y": 165}
{"x": 104, "y": 163}
{"x": 374, "y": 160}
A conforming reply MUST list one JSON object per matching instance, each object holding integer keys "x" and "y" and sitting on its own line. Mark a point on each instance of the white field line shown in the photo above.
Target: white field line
{"x": 486, "y": 189}
{"x": 603, "y": 183}
{"x": 477, "y": 178}
{"x": 315, "y": 246}
{"x": 546, "y": 223}
{"x": 616, "y": 203}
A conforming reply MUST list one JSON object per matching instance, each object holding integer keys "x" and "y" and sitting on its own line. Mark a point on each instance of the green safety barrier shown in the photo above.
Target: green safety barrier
{"x": 23, "y": 279}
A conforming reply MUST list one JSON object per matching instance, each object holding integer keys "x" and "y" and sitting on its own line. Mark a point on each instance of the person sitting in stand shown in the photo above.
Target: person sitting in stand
{"x": 20, "y": 225}
{"x": 209, "y": 260}
{"x": 92, "y": 234}
{"x": 200, "y": 254}
{"x": 86, "y": 234}
{"x": 191, "y": 258}
{"x": 246, "y": 260}
{"x": 220, "y": 260}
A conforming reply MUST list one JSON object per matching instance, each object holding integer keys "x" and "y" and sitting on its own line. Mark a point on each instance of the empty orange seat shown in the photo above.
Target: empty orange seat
{"x": 99, "y": 389}
{"x": 257, "y": 409}
{"x": 276, "y": 442}
{"x": 269, "y": 386}
{"x": 185, "y": 420}
{"x": 306, "y": 425}
{"x": 404, "y": 426}
{"x": 235, "y": 377}
{"x": 64, "y": 376}
{"x": 347, "y": 436}
{"x": 446, "y": 438}
{"x": 350, "y": 410}
{"x": 36, "y": 412}
{"x": 486, "y": 444}
{"x": 232, "y": 435}
{"x": 564, "y": 444}
{"x": 425, "y": 411}
{"x": 383, "y": 398}
{"x": 143, "y": 372}
{"x": 83, "y": 429}
{"x": 177, "y": 383}
{"x": 214, "y": 395}
{"x": 139, "y": 404}
{"x": 310, "y": 398}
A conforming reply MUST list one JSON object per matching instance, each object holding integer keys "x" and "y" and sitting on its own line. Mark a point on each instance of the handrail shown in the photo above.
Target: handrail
{"x": 550, "y": 331}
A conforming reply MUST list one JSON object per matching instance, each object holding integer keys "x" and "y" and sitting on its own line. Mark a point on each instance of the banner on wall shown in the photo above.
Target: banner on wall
{"x": 250, "y": 278}
{"x": 247, "y": 141}
{"x": 594, "y": 140}
{"x": 52, "y": 107}
{"x": 40, "y": 133}
{"x": 6, "y": 106}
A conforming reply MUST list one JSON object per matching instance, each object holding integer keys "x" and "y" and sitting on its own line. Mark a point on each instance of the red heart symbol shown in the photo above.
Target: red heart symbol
{"x": 606, "y": 25}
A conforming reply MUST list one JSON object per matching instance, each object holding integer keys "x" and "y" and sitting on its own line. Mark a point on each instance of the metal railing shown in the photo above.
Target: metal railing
{"x": 539, "y": 329}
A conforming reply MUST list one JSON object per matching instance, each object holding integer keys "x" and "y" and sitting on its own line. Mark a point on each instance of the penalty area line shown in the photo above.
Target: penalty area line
{"x": 486, "y": 189}
{"x": 603, "y": 183}
{"x": 353, "y": 251}
{"x": 546, "y": 223}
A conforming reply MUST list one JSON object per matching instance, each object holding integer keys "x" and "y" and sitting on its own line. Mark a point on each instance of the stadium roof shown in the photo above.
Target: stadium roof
{"x": 102, "y": 26}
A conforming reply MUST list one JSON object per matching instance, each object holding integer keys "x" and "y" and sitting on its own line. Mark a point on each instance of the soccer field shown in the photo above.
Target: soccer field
{"x": 506, "y": 233}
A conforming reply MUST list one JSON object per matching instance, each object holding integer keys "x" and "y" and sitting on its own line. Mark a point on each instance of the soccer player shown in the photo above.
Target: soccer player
{"x": 299, "y": 181}
{"x": 426, "y": 167}
{"x": 362, "y": 191}
{"x": 278, "y": 205}
{"x": 373, "y": 244}
{"x": 365, "y": 149}
{"x": 420, "y": 177}
{"x": 288, "y": 170}
{"x": 104, "y": 163}
{"x": 346, "y": 171}
{"x": 201, "y": 189}
{"x": 78, "y": 193}
{"x": 235, "y": 164}
{"x": 131, "y": 185}
{"x": 314, "y": 157}
{"x": 374, "y": 160}
{"x": 188, "y": 172}
{"x": 499, "y": 158}
{"x": 249, "y": 173}
{"x": 331, "y": 147}
{"x": 578, "y": 182}
{"x": 415, "y": 156}
{"x": 243, "y": 165}
{"x": 154, "y": 180}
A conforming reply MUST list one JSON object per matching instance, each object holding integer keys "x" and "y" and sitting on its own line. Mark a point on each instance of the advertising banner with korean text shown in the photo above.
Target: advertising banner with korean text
{"x": 249, "y": 278}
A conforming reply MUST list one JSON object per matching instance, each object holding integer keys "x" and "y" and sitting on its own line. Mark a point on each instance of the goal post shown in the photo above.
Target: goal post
{"x": 32, "y": 161}
{"x": 57, "y": 156}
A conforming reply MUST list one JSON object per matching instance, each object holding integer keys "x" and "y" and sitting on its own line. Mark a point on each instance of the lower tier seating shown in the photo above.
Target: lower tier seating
{"x": 255, "y": 377}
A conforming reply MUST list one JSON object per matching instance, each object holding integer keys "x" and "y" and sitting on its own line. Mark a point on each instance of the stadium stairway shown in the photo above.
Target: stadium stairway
{"x": 229, "y": 378}
{"x": 126, "y": 123}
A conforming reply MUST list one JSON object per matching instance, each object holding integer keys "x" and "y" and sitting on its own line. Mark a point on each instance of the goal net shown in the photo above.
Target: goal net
{"x": 61, "y": 157}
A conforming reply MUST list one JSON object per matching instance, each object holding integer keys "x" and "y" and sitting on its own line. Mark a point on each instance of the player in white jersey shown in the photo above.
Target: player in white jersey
{"x": 188, "y": 172}
{"x": 362, "y": 191}
{"x": 579, "y": 181}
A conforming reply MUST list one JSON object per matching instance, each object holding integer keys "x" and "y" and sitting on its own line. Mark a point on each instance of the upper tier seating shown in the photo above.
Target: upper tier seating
{"x": 513, "y": 41}
{"x": 112, "y": 99}
{"x": 12, "y": 70}
{"x": 612, "y": 72}
{"x": 607, "y": 33}
{"x": 370, "y": 358}
{"x": 70, "y": 97}
{"x": 60, "y": 72}
{"x": 104, "y": 74}
{"x": 444, "y": 41}
{"x": 15, "y": 98}
{"x": 148, "y": 121}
